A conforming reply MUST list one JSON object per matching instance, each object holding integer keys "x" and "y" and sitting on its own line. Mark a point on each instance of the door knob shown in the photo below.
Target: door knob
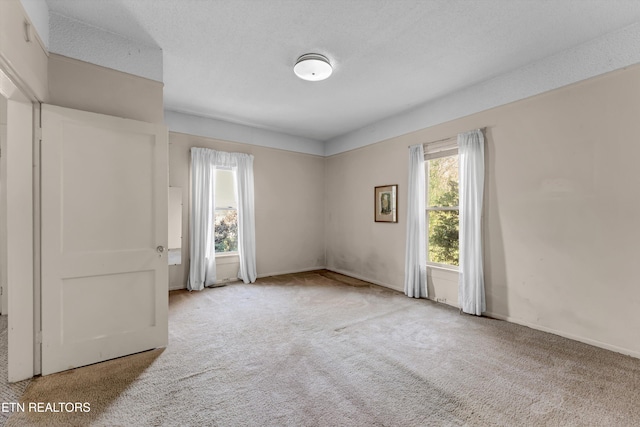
{"x": 160, "y": 249}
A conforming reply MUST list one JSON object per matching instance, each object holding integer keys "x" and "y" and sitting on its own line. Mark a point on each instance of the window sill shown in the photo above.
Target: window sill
{"x": 228, "y": 258}
{"x": 226, "y": 254}
{"x": 451, "y": 268}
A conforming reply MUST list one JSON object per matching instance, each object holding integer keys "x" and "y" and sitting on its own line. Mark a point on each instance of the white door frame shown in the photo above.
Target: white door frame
{"x": 20, "y": 227}
{"x": 4, "y": 310}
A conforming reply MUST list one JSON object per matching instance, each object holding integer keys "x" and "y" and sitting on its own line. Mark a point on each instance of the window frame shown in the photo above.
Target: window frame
{"x": 438, "y": 150}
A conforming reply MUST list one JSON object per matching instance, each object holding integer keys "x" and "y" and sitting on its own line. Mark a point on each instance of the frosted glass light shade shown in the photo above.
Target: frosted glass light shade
{"x": 313, "y": 67}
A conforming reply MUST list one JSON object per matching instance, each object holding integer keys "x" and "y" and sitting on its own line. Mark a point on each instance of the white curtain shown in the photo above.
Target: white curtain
{"x": 202, "y": 270}
{"x": 471, "y": 276}
{"x": 246, "y": 218}
{"x": 204, "y": 161}
{"x": 415, "y": 269}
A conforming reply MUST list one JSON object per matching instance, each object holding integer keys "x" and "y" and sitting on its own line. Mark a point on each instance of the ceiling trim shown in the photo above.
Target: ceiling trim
{"x": 613, "y": 51}
{"x": 227, "y": 131}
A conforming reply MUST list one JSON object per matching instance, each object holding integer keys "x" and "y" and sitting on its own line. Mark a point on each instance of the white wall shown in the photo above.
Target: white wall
{"x": 560, "y": 216}
{"x": 356, "y": 245}
{"x": 175, "y": 218}
{"x": 84, "y": 86}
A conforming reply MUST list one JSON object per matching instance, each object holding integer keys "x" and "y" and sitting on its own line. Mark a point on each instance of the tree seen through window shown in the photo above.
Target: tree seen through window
{"x": 225, "y": 219}
{"x": 442, "y": 210}
{"x": 226, "y": 230}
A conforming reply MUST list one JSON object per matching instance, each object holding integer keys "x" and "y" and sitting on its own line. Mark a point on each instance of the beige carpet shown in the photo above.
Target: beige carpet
{"x": 318, "y": 349}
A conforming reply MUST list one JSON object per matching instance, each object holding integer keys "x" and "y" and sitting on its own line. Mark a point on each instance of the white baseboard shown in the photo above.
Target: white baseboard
{"x": 304, "y": 270}
{"x": 510, "y": 319}
{"x": 216, "y": 283}
{"x": 376, "y": 282}
{"x": 589, "y": 341}
{"x": 366, "y": 279}
{"x": 235, "y": 279}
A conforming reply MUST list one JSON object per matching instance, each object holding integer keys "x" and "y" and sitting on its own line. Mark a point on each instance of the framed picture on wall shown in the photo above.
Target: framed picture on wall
{"x": 386, "y": 203}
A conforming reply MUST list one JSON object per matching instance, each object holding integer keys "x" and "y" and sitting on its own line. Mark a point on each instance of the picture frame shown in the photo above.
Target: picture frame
{"x": 386, "y": 203}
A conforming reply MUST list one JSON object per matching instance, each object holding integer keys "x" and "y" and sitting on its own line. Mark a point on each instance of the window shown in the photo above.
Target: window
{"x": 226, "y": 212}
{"x": 442, "y": 208}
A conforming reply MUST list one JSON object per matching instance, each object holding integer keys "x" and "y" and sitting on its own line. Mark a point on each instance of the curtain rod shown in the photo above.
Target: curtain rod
{"x": 448, "y": 138}
{"x": 441, "y": 140}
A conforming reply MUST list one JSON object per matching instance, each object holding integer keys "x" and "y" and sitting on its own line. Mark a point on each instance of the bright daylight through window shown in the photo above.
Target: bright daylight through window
{"x": 226, "y": 212}
{"x": 442, "y": 210}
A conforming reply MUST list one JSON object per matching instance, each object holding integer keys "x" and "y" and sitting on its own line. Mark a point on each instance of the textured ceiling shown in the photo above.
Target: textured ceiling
{"x": 232, "y": 59}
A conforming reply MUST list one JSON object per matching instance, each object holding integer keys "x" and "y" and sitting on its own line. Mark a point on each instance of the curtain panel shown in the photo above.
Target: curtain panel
{"x": 246, "y": 218}
{"x": 471, "y": 294}
{"x": 415, "y": 269}
{"x": 202, "y": 268}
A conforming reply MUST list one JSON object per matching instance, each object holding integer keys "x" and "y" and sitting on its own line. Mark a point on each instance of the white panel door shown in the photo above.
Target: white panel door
{"x": 104, "y": 234}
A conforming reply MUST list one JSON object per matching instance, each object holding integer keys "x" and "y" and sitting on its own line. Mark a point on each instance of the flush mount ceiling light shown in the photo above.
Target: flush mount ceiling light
{"x": 313, "y": 67}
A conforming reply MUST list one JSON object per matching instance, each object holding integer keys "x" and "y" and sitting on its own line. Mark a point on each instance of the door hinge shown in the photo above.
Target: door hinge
{"x": 39, "y": 337}
{"x": 1, "y": 290}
